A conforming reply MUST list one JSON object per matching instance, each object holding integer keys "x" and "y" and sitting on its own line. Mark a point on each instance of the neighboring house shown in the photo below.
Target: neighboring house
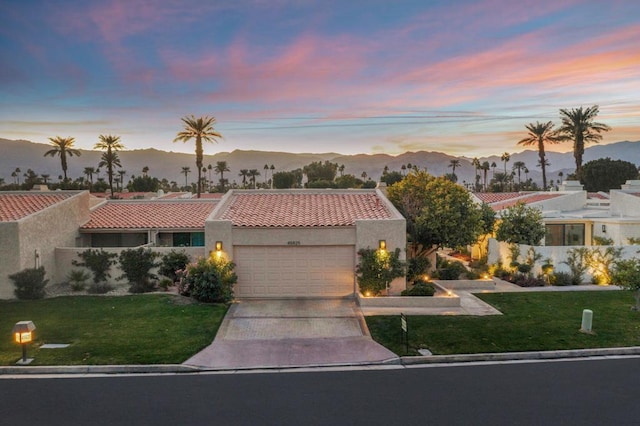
{"x": 284, "y": 243}
{"x": 303, "y": 243}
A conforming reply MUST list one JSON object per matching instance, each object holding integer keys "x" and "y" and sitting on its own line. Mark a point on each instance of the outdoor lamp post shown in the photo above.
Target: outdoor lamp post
{"x": 23, "y": 334}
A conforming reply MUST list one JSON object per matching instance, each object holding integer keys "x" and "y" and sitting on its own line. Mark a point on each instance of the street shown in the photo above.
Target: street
{"x": 586, "y": 392}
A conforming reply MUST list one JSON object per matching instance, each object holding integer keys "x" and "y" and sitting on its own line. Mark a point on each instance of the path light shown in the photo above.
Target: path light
{"x": 23, "y": 334}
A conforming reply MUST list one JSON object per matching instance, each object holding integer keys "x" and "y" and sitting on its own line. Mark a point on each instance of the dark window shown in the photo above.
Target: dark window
{"x": 564, "y": 235}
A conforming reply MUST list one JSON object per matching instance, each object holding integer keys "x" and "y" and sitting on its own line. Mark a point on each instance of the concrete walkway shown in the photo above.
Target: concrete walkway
{"x": 292, "y": 332}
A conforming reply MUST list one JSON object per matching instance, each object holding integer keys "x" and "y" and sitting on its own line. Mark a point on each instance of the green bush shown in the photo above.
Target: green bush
{"x": 524, "y": 280}
{"x": 100, "y": 288}
{"x": 209, "y": 280}
{"x": 417, "y": 267}
{"x": 29, "y": 283}
{"x": 165, "y": 283}
{"x": 561, "y": 279}
{"x": 450, "y": 270}
{"x": 136, "y": 265}
{"x": 376, "y": 270}
{"x": 172, "y": 262}
{"x": 78, "y": 279}
{"x": 420, "y": 288}
{"x": 98, "y": 261}
{"x": 602, "y": 241}
{"x": 524, "y": 268}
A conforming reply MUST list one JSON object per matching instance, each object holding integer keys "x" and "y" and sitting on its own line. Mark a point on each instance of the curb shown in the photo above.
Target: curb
{"x": 99, "y": 369}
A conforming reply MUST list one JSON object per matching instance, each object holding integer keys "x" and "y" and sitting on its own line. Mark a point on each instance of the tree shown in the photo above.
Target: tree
{"x": 341, "y": 169}
{"x": 578, "y": 126}
{"x": 626, "y": 274}
{"x": 89, "y": 172}
{"x": 272, "y": 168}
{"x": 521, "y": 224}
{"x": 493, "y": 169}
{"x": 45, "y": 178}
{"x": 519, "y": 166}
{"x": 122, "y": 173}
{"x": 454, "y": 164}
{"x": 145, "y": 170}
{"x": 439, "y": 213}
{"x": 63, "y": 147}
{"x": 320, "y": 171}
{"x": 505, "y": 159}
{"x": 253, "y": 173}
{"x": 347, "y": 181}
{"x": 244, "y": 173}
{"x": 200, "y": 129}
{"x": 110, "y": 159}
{"x": 186, "y": 170}
{"x": 219, "y": 169}
{"x": 286, "y": 180}
{"x": 539, "y": 135}
{"x": 606, "y": 174}
{"x": 391, "y": 178}
{"x": 485, "y": 169}
{"x": 144, "y": 184}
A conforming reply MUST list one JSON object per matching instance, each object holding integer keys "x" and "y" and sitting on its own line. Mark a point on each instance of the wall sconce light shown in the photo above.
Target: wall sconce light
{"x": 604, "y": 228}
{"x": 382, "y": 244}
{"x": 218, "y": 245}
{"x": 23, "y": 334}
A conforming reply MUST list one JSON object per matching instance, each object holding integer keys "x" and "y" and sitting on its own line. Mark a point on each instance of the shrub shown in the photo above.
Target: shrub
{"x": 78, "y": 279}
{"x": 172, "y": 262}
{"x": 577, "y": 262}
{"x": 98, "y": 261}
{"x": 561, "y": 279}
{"x": 420, "y": 288}
{"x": 633, "y": 241}
{"x": 450, "y": 270}
{"x": 209, "y": 280}
{"x": 626, "y": 274}
{"x": 165, "y": 283}
{"x": 417, "y": 267}
{"x": 29, "y": 283}
{"x": 99, "y": 288}
{"x": 136, "y": 266}
{"x": 524, "y": 268}
{"x": 602, "y": 241}
{"x": 523, "y": 280}
{"x": 377, "y": 268}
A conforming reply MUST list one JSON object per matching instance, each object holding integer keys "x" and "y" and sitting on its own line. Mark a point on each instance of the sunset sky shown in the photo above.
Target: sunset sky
{"x": 461, "y": 77}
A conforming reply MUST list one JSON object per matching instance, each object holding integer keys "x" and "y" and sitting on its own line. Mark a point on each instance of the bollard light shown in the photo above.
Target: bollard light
{"x": 23, "y": 334}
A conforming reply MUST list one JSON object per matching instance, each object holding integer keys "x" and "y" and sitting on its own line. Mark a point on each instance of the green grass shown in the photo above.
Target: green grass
{"x": 139, "y": 329}
{"x": 531, "y": 322}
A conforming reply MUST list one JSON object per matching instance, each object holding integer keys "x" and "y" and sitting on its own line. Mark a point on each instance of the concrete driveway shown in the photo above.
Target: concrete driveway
{"x": 292, "y": 333}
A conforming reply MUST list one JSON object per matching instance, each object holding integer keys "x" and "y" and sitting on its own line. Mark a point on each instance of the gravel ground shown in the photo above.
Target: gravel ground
{"x": 120, "y": 289}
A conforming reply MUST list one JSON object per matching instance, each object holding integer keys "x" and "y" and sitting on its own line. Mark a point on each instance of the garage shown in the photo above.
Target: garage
{"x": 294, "y": 271}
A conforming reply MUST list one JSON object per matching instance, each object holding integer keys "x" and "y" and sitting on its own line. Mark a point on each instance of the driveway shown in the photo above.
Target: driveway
{"x": 292, "y": 333}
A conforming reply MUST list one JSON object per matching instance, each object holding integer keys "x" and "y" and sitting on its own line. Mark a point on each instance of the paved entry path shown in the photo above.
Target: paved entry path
{"x": 292, "y": 333}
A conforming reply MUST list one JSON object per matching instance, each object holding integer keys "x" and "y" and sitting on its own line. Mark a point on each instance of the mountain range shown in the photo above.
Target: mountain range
{"x": 162, "y": 164}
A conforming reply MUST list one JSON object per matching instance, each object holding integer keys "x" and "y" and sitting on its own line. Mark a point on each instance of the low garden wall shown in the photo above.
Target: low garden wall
{"x": 488, "y": 284}
{"x": 440, "y": 300}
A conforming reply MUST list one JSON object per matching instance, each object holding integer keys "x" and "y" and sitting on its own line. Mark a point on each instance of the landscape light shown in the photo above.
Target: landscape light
{"x": 23, "y": 334}
{"x": 218, "y": 245}
{"x": 382, "y": 244}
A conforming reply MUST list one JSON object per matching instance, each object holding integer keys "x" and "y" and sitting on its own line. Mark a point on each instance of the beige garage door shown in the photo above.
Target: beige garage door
{"x": 294, "y": 271}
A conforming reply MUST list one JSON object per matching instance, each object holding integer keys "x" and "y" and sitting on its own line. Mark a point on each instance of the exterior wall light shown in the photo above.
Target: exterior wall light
{"x": 218, "y": 245}
{"x": 604, "y": 229}
{"x": 382, "y": 244}
{"x": 23, "y": 334}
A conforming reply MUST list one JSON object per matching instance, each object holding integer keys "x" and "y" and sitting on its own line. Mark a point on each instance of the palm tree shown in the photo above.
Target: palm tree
{"x": 519, "y": 166}
{"x": 272, "y": 168}
{"x": 244, "y": 173}
{"x": 122, "y": 173}
{"x": 111, "y": 144}
{"x": 209, "y": 168}
{"x": 403, "y": 169}
{"x": 45, "y": 178}
{"x": 220, "y": 168}
{"x": 200, "y": 129}
{"x": 476, "y": 164}
{"x": 63, "y": 147}
{"x": 505, "y": 158}
{"x": 364, "y": 175}
{"x": 186, "y": 170}
{"x": 252, "y": 175}
{"x": 485, "y": 169}
{"x": 16, "y": 175}
{"x": 145, "y": 170}
{"x": 110, "y": 160}
{"x": 453, "y": 164}
{"x": 89, "y": 172}
{"x": 540, "y": 134}
{"x": 341, "y": 169}
{"x": 578, "y": 126}
{"x": 493, "y": 169}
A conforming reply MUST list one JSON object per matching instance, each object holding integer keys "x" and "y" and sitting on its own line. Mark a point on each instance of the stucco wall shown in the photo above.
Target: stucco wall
{"x": 623, "y": 204}
{"x": 9, "y": 257}
{"x": 570, "y": 200}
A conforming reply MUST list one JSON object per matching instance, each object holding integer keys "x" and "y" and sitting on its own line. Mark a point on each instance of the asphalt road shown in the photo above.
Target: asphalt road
{"x": 587, "y": 392}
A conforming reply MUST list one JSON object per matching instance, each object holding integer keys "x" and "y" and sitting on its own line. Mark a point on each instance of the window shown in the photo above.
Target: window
{"x": 181, "y": 239}
{"x": 564, "y": 234}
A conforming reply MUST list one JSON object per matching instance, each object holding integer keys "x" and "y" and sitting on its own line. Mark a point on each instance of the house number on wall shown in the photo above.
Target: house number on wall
{"x": 293, "y": 243}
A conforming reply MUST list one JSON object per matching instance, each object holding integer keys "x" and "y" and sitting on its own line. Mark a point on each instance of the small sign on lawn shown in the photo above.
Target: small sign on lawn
{"x": 405, "y": 331}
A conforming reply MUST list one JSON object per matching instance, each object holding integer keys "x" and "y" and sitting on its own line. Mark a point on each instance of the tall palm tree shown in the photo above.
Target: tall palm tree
{"x": 540, "y": 134}
{"x": 89, "y": 172}
{"x": 145, "y": 170}
{"x": 341, "y": 169}
{"x": 493, "y": 169}
{"x": 266, "y": 173}
{"x": 403, "y": 169}
{"x": 505, "y": 158}
{"x": 16, "y": 175}
{"x": 122, "y": 173}
{"x": 476, "y": 164}
{"x": 219, "y": 169}
{"x": 186, "y": 170}
{"x": 111, "y": 144}
{"x": 453, "y": 164}
{"x": 518, "y": 166}
{"x": 578, "y": 126}
{"x": 272, "y": 168}
{"x": 110, "y": 160}
{"x": 63, "y": 147}
{"x": 45, "y": 178}
{"x": 364, "y": 175}
{"x": 209, "y": 168}
{"x": 200, "y": 129}
{"x": 252, "y": 175}
{"x": 485, "y": 169}
{"x": 244, "y": 173}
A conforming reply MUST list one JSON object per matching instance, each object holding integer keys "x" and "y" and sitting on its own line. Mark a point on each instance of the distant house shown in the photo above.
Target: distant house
{"x": 290, "y": 243}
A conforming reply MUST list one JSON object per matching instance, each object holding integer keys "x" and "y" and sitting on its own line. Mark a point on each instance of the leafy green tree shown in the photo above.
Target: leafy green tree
{"x": 605, "y": 174}
{"x": 377, "y": 268}
{"x": 320, "y": 171}
{"x": 392, "y": 177}
{"x": 626, "y": 274}
{"x": 109, "y": 159}
{"x": 200, "y": 129}
{"x": 348, "y": 181}
{"x": 439, "y": 213}
{"x": 521, "y": 224}
{"x": 63, "y": 147}
{"x": 144, "y": 184}
{"x": 286, "y": 180}
{"x": 578, "y": 126}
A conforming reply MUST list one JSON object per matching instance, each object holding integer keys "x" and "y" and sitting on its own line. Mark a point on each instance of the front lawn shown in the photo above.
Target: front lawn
{"x": 531, "y": 322}
{"x": 139, "y": 329}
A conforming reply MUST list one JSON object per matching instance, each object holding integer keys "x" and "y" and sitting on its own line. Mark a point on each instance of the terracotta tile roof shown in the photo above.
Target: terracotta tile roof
{"x": 494, "y": 197}
{"x": 533, "y": 198}
{"x": 150, "y": 215}
{"x": 17, "y": 206}
{"x": 636, "y": 194}
{"x": 303, "y": 210}
{"x": 596, "y": 195}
